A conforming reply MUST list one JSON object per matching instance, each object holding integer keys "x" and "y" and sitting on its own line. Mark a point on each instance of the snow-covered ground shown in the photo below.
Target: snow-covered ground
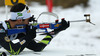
{"x": 79, "y": 39}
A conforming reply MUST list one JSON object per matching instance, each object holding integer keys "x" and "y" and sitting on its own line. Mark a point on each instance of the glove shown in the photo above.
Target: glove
{"x": 64, "y": 25}
{"x": 31, "y": 32}
{"x": 30, "y": 35}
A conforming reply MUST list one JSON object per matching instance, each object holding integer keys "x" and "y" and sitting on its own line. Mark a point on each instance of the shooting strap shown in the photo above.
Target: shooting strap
{"x": 12, "y": 37}
{"x": 8, "y": 24}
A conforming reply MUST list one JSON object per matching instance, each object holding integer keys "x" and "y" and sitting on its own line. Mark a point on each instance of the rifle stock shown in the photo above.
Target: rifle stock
{"x": 38, "y": 26}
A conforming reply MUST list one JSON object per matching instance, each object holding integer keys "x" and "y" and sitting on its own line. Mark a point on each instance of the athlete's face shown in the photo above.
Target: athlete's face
{"x": 26, "y": 21}
{"x": 21, "y": 21}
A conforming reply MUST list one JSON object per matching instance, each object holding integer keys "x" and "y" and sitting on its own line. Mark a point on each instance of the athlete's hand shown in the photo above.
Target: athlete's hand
{"x": 64, "y": 25}
{"x": 31, "y": 31}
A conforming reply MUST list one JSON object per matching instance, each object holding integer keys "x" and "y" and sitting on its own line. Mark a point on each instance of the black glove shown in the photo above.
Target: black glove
{"x": 31, "y": 32}
{"x": 64, "y": 25}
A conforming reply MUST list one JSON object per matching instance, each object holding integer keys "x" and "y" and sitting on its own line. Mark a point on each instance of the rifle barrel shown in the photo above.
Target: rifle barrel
{"x": 78, "y": 21}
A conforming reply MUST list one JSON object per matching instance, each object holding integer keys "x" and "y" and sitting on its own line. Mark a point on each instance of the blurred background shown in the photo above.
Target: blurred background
{"x": 80, "y": 37}
{"x": 63, "y": 3}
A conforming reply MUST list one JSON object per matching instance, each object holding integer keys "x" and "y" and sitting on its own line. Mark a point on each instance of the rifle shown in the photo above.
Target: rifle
{"x": 44, "y": 26}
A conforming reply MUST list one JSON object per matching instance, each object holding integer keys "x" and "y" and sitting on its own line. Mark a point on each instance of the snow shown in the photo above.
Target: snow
{"x": 79, "y": 39}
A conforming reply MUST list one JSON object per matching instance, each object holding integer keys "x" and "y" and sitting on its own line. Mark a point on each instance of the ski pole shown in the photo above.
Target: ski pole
{"x": 86, "y": 20}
